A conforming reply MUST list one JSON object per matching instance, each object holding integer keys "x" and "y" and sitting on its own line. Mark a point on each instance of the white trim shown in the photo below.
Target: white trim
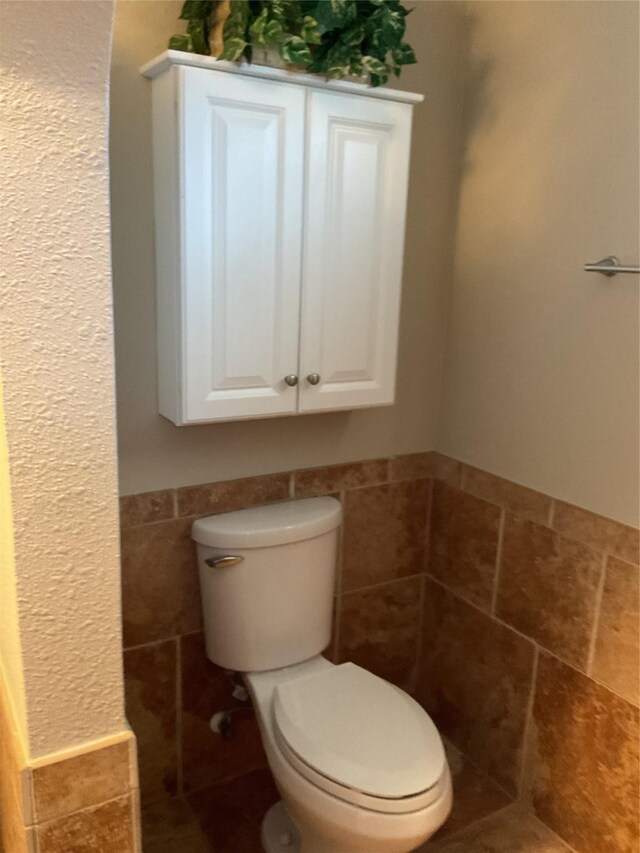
{"x": 165, "y": 60}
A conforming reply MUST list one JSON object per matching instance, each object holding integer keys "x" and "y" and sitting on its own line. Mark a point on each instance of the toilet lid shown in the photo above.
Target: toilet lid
{"x": 360, "y": 731}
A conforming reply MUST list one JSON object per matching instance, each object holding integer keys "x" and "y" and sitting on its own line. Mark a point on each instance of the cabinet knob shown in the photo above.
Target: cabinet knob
{"x": 291, "y": 380}
{"x": 313, "y": 378}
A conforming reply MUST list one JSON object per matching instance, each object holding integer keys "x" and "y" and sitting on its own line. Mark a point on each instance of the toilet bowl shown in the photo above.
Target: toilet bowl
{"x": 359, "y": 764}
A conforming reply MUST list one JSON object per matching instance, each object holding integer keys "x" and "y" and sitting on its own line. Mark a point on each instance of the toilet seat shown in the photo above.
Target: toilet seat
{"x": 360, "y": 739}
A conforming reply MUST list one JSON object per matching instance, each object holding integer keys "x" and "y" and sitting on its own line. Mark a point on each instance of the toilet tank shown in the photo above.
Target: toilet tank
{"x": 267, "y": 578}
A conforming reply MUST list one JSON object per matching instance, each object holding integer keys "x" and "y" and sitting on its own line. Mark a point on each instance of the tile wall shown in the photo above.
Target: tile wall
{"x": 172, "y": 689}
{"x": 530, "y": 652}
{"x": 512, "y": 617}
{"x": 75, "y": 803}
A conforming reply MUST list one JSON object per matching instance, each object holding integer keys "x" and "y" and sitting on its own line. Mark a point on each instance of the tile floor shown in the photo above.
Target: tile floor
{"x": 226, "y": 818}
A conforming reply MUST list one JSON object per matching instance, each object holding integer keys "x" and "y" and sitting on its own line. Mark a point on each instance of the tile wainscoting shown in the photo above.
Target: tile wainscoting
{"x": 76, "y": 802}
{"x": 172, "y": 689}
{"x": 512, "y": 617}
{"x": 529, "y": 659}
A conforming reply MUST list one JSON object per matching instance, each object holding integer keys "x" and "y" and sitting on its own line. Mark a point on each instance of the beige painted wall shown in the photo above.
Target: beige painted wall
{"x": 57, "y": 370}
{"x": 154, "y": 453}
{"x": 541, "y": 375}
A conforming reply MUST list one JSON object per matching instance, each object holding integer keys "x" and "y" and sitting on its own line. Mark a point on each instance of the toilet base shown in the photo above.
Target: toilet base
{"x": 279, "y": 834}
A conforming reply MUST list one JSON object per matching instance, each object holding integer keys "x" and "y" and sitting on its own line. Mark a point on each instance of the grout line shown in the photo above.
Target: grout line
{"x": 528, "y": 721}
{"x": 596, "y": 615}
{"x": 179, "y": 773}
{"x": 135, "y": 808}
{"x": 292, "y": 484}
{"x": 33, "y": 845}
{"x": 382, "y": 584}
{"x": 496, "y": 573}
{"x": 153, "y": 643}
{"x": 542, "y": 649}
{"x": 339, "y": 568}
{"x": 484, "y": 612}
{"x": 442, "y": 844}
{"x": 482, "y": 771}
{"x": 31, "y": 794}
{"x": 86, "y": 808}
{"x": 552, "y": 512}
{"x": 427, "y": 521}
{"x": 569, "y": 848}
{"x": 420, "y": 643}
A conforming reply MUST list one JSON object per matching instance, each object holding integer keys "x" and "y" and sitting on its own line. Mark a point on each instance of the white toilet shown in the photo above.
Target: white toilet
{"x": 359, "y": 764}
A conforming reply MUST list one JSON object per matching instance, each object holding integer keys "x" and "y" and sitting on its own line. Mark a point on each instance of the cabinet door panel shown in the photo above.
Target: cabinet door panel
{"x": 242, "y": 163}
{"x": 357, "y": 165}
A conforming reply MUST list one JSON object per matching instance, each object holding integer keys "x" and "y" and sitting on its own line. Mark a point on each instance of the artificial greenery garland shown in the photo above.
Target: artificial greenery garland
{"x": 337, "y": 38}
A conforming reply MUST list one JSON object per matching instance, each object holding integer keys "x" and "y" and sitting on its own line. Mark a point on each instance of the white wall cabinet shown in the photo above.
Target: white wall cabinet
{"x": 280, "y": 213}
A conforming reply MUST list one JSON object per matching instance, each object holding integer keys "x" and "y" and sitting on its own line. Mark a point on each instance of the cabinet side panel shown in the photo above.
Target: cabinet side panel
{"x": 167, "y": 202}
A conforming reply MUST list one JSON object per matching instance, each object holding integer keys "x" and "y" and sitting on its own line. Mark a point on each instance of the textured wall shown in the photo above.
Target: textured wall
{"x": 541, "y": 378}
{"x": 10, "y": 646}
{"x": 57, "y": 368}
{"x": 155, "y": 454}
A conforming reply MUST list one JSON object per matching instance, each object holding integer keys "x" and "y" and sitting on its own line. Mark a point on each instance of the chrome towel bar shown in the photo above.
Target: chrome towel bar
{"x": 610, "y": 266}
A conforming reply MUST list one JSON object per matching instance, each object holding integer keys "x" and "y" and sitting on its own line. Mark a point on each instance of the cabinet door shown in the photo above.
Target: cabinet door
{"x": 242, "y": 166}
{"x": 358, "y": 151}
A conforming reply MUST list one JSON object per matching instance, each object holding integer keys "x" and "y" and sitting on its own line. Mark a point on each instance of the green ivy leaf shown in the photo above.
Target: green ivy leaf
{"x": 296, "y": 51}
{"x": 238, "y": 19}
{"x": 378, "y": 79}
{"x": 181, "y": 42}
{"x": 355, "y": 67}
{"x": 403, "y": 55}
{"x": 199, "y": 33}
{"x": 353, "y": 35}
{"x": 233, "y": 48}
{"x": 256, "y": 30}
{"x": 337, "y": 61}
{"x": 393, "y": 26}
{"x": 196, "y": 10}
{"x": 274, "y": 33}
{"x": 309, "y": 30}
{"x": 375, "y": 66}
{"x": 331, "y": 14}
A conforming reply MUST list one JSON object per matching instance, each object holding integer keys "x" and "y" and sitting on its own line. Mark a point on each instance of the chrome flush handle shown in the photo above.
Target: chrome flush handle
{"x": 224, "y": 561}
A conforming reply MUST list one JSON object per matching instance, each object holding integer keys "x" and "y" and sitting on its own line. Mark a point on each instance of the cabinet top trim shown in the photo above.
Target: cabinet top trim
{"x": 165, "y": 60}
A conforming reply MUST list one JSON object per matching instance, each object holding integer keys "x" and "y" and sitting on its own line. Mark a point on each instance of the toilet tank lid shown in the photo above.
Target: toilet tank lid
{"x": 275, "y": 524}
